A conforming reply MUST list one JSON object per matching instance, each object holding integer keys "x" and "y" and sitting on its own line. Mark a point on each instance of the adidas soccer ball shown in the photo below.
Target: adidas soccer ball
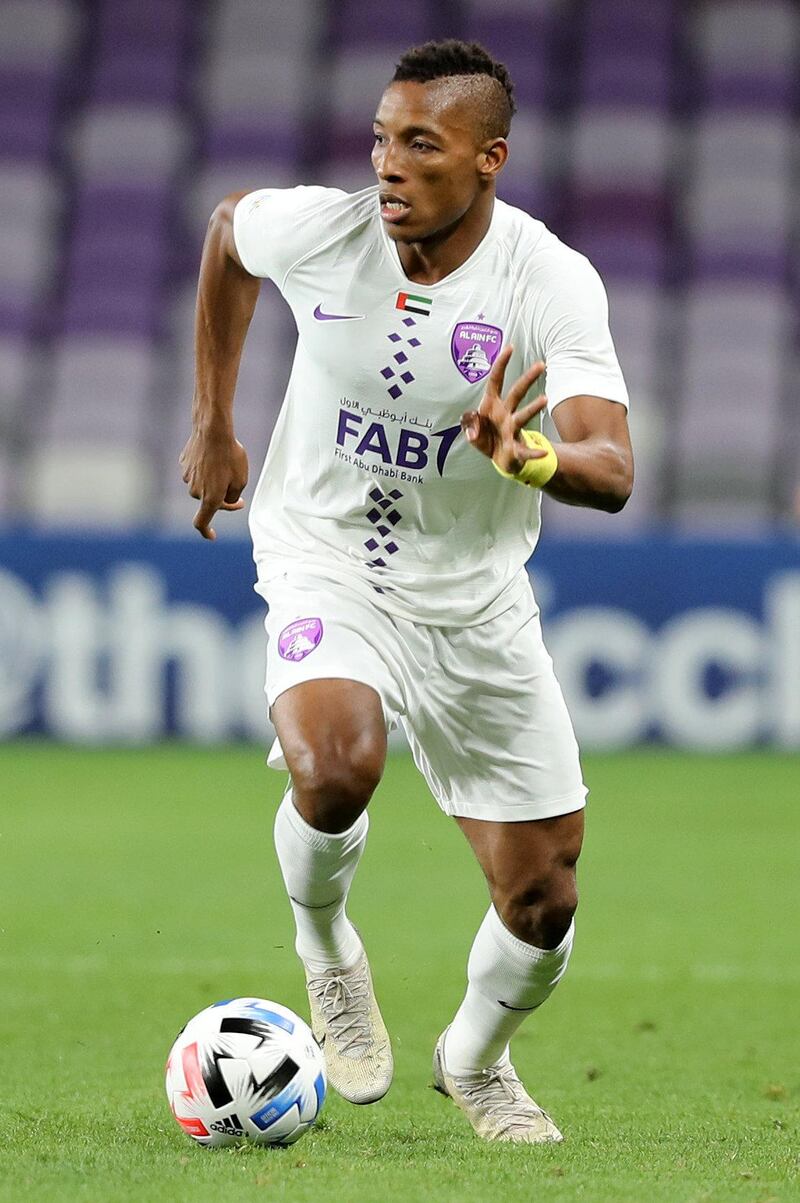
{"x": 245, "y": 1069}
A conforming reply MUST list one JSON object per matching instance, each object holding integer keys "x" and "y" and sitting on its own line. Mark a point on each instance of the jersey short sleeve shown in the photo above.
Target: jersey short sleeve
{"x": 571, "y": 329}
{"x": 273, "y": 228}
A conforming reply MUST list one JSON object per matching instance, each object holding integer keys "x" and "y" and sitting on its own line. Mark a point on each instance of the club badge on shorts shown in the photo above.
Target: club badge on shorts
{"x": 299, "y": 639}
{"x": 474, "y": 347}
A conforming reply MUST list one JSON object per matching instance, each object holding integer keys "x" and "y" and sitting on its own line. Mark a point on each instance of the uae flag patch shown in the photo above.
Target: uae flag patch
{"x": 412, "y": 303}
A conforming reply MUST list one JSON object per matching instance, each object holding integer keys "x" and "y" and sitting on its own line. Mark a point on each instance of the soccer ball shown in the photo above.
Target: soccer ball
{"x": 245, "y": 1069}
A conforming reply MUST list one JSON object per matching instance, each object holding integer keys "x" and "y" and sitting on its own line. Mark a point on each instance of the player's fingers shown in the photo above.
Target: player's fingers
{"x": 202, "y": 519}
{"x": 232, "y": 505}
{"x": 479, "y": 431}
{"x": 524, "y": 452}
{"x": 494, "y": 383}
{"x": 234, "y": 492}
{"x": 523, "y": 416}
{"x": 520, "y": 387}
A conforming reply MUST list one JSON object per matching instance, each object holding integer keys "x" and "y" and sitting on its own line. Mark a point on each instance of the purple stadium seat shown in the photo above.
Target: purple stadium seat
{"x": 101, "y": 384}
{"x": 19, "y": 313}
{"x": 392, "y": 27}
{"x": 644, "y": 80}
{"x": 146, "y": 23}
{"x": 736, "y": 347}
{"x": 143, "y": 76}
{"x": 621, "y": 149}
{"x": 28, "y": 110}
{"x": 254, "y": 139}
{"x": 130, "y": 207}
{"x": 121, "y": 143}
{"x": 38, "y": 33}
{"x": 748, "y": 53}
{"x": 65, "y": 478}
{"x": 111, "y": 311}
{"x": 269, "y": 26}
{"x": 13, "y": 372}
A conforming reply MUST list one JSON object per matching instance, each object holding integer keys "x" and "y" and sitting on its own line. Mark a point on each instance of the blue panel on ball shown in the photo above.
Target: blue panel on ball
{"x": 223, "y": 1002}
{"x": 276, "y": 1108}
{"x": 280, "y": 1021}
{"x": 319, "y": 1090}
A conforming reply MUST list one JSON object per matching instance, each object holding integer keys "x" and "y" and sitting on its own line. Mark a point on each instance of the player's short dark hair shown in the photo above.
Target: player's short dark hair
{"x": 437, "y": 60}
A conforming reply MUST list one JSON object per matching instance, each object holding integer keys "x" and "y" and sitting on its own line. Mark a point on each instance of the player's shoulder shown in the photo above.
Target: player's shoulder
{"x": 276, "y": 229}
{"x": 538, "y": 257}
{"x": 314, "y": 203}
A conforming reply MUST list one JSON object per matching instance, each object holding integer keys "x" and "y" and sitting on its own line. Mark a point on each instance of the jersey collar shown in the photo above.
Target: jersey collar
{"x": 391, "y": 253}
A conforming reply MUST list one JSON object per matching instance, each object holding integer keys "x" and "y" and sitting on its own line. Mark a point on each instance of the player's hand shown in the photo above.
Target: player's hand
{"x": 215, "y": 469}
{"x": 495, "y": 426}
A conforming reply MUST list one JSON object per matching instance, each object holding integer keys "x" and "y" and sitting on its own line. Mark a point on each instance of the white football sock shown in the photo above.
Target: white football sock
{"x": 507, "y": 979}
{"x": 318, "y": 868}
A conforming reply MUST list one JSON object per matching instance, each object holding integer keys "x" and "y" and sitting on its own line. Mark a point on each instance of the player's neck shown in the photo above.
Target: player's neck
{"x": 434, "y": 258}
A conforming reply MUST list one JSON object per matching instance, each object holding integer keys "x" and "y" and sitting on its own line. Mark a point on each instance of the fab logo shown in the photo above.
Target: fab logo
{"x": 393, "y": 445}
{"x": 474, "y": 348}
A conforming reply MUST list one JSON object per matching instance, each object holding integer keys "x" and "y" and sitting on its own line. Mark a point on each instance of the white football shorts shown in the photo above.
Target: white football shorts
{"x": 481, "y": 707}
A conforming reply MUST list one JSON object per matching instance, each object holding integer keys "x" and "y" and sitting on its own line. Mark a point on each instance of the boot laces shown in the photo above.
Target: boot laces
{"x": 344, "y": 1000}
{"x": 499, "y": 1094}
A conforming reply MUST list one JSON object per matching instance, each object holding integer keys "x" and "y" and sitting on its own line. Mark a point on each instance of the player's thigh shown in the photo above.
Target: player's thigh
{"x": 333, "y": 735}
{"x": 332, "y": 693}
{"x": 492, "y": 734}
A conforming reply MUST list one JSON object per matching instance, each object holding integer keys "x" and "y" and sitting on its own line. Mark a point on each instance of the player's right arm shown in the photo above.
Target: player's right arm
{"x": 214, "y": 463}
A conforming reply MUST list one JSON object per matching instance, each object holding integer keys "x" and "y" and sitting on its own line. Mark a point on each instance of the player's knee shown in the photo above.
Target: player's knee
{"x": 333, "y": 785}
{"x": 540, "y": 912}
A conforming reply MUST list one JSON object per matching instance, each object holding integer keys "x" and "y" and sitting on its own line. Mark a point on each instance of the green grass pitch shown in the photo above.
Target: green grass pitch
{"x": 139, "y": 886}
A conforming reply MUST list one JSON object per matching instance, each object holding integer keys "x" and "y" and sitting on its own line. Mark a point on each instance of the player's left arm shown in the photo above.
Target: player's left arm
{"x": 595, "y": 457}
{"x": 591, "y": 466}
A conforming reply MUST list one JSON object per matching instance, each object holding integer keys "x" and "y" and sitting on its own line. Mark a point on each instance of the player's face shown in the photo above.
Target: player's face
{"x": 430, "y": 166}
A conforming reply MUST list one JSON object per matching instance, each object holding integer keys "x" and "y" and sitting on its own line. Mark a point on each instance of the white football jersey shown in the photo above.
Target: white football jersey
{"x": 368, "y": 478}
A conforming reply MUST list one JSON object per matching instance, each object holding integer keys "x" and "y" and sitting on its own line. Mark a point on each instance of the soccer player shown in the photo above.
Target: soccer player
{"x": 392, "y": 521}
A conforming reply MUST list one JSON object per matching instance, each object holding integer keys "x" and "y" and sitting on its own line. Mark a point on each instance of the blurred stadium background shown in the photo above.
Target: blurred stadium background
{"x": 657, "y": 136}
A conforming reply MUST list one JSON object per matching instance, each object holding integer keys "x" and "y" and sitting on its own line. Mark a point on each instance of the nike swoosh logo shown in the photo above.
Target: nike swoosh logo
{"x": 508, "y": 1006}
{"x": 337, "y": 317}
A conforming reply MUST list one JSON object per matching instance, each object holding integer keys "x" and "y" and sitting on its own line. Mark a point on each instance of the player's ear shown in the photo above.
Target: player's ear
{"x": 492, "y": 157}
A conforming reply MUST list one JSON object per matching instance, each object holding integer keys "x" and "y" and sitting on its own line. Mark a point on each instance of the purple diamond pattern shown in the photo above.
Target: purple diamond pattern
{"x": 400, "y": 357}
{"x": 383, "y": 501}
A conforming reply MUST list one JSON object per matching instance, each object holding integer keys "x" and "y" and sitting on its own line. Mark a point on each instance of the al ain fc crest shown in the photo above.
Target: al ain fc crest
{"x": 474, "y": 347}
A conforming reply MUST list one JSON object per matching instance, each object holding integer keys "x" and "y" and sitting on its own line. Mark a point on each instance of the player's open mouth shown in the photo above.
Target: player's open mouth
{"x": 393, "y": 209}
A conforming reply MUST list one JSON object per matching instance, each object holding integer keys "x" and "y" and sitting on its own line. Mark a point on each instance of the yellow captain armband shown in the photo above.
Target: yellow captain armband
{"x": 534, "y": 472}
